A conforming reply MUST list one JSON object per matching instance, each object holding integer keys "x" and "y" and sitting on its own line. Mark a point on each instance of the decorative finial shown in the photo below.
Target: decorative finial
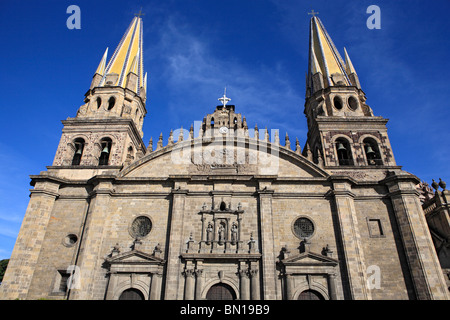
{"x": 435, "y": 185}
{"x": 150, "y": 145}
{"x": 442, "y": 184}
{"x": 171, "y": 138}
{"x": 191, "y": 132}
{"x": 313, "y": 13}
{"x": 139, "y": 14}
{"x": 224, "y": 99}
{"x": 298, "y": 149}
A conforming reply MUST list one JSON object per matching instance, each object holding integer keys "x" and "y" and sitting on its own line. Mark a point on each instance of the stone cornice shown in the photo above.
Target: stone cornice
{"x": 106, "y": 123}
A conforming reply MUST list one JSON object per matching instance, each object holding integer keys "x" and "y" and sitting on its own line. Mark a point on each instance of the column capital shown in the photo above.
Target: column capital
{"x": 253, "y": 272}
{"x": 244, "y": 273}
{"x": 189, "y": 273}
{"x": 198, "y": 272}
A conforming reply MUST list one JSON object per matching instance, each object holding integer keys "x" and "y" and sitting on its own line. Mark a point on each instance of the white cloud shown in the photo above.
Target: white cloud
{"x": 197, "y": 75}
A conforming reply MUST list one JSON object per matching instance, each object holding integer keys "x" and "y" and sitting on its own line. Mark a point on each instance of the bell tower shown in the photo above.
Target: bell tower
{"x": 107, "y": 130}
{"x": 342, "y": 129}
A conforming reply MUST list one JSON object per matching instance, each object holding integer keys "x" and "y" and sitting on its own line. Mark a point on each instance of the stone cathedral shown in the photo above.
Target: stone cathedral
{"x": 223, "y": 211}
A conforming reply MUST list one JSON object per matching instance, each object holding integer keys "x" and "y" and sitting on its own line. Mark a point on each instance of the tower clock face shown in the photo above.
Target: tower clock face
{"x": 223, "y": 130}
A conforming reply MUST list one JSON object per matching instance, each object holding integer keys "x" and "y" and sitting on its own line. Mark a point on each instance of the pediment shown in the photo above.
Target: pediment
{"x": 240, "y": 157}
{"x": 309, "y": 259}
{"x": 134, "y": 257}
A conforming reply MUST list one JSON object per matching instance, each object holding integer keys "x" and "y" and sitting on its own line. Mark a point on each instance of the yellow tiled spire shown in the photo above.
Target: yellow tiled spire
{"x": 128, "y": 56}
{"x": 101, "y": 67}
{"x": 349, "y": 64}
{"x": 324, "y": 57}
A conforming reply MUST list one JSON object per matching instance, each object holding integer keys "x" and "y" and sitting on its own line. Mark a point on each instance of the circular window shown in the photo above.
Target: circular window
{"x": 303, "y": 228}
{"x": 141, "y": 227}
{"x": 337, "y": 103}
{"x": 70, "y": 240}
{"x": 352, "y": 103}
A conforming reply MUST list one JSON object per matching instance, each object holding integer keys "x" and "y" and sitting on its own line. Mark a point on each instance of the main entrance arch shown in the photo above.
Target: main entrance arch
{"x": 221, "y": 291}
{"x": 310, "y": 295}
{"x": 131, "y": 294}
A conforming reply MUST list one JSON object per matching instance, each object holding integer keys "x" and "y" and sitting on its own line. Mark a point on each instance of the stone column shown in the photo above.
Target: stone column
{"x": 238, "y": 242}
{"x": 155, "y": 289}
{"x": 189, "y": 286}
{"x": 112, "y": 285}
{"x": 175, "y": 246}
{"x": 19, "y": 274}
{"x": 332, "y": 286}
{"x": 425, "y": 269}
{"x": 245, "y": 284}
{"x": 289, "y": 278}
{"x": 351, "y": 238}
{"x": 269, "y": 274}
{"x": 255, "y": 285}
{"x": 198, "y": 284}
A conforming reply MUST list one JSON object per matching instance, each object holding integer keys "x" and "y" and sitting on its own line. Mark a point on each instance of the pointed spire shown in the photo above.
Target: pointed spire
{"x": 298, "y": 149}
{"x": 160, "y": 142}
{"x": 277, "y": 137}
{"x": 324, "y": 58}
{"x": 171, "y": 138}
{"x": 348, "y": 63}
{"x": 287, "y": 142}
{"x": 145, "y": 83}
{"x": 256, "y": 132}
{"x": 181, "y": 135}
{"x": 309, "y": 154}
{"x": 266, "y": 135}
{"x": 315, "y": 68}
{"x": 191, "y": 132}
{"x": 101, "y": 67}
{"x": 127, "y": 57}
{"x": 134, "y": 68}
{"x": 150, "y": 145}
{"x": 351, "y": 71}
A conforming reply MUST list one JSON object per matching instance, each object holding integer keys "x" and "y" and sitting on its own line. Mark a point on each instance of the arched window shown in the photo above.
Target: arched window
{"x": 235, "y": 122}
{"x": 352, "y": 103}
{"x": 111, "y": 103}
{"x": 106, "y": 144}
{"x": 99, "y": 102}
{"x": 310, "y": 295}
{"x": 221, "y": 291}
{"x": 131, "y": 294}
{"x": 337, "y": 103}
{"x": 344, "y": 152}
{"x": 223, "y": 206}
{"x": 212, "y": 123}
{"x": 79, "y": 147}
{"x": 372, "y": 152}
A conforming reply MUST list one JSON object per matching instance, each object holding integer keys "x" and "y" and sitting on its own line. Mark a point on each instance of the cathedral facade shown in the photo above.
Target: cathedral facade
{"x": 224, "y": 211}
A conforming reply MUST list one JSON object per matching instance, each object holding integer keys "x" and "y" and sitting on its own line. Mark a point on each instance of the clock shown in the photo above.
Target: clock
{"x": 223, "y": 130}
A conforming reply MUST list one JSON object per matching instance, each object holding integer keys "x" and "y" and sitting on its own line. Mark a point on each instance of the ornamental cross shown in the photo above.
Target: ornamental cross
{"x": 140, "y": 13}
{"x": 224, "y": 99}
{"x": 313, "y": 13}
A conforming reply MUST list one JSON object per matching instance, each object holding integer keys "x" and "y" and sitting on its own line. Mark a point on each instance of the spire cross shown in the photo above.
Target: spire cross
{"x": 313, "y": 13}
{"x": 224, "y": 99}
{"x": 140, "y": 13}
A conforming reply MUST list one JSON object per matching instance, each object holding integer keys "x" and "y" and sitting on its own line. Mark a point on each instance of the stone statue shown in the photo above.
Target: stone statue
{"x": 221, "y": 233}
{"x": 209, "y": 231}
{"x": 234, "y": 230}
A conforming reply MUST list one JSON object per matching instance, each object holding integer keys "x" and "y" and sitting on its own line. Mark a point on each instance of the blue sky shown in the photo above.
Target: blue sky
{"x": 258, "y": 49}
